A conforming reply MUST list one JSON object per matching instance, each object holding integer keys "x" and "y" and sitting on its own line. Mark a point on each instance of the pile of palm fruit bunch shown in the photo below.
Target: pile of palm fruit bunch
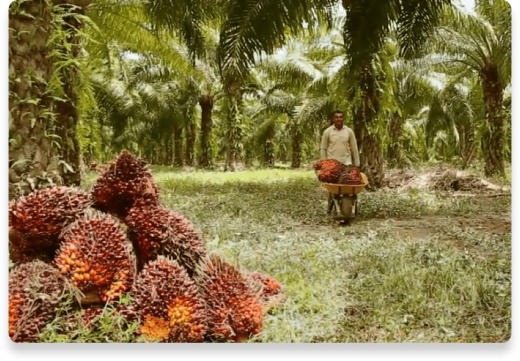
{"x": 118, "y": 240}
{"x": 36, "y": 292}
{"x": 334, "y": 172}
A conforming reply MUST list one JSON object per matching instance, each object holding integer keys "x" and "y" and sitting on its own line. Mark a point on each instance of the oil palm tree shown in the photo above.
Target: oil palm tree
{"x": 367, "y": 26}
{"x": 481, "y": 45}
{"x": 142, "y": 105}
{"x": 369, "y": 22}
{"x": 43, "y": 146}
{"x": 297, "y": 85}
{"x": 143, "y": 28}
{"x": 29, "y": 116}
{"x": 411, "y": 91}
{"x": 507, "y": 125}
{"x": 451, "y": 121}
{"x": 246, "y": 29}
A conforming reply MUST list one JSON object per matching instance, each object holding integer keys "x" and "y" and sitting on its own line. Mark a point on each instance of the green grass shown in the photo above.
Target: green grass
{"x": 363, "y": 283}
{"x": 349, "y": 285}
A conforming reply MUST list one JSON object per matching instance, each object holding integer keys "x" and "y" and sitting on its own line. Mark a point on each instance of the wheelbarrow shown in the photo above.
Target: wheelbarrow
{"x": 343, "y": 204}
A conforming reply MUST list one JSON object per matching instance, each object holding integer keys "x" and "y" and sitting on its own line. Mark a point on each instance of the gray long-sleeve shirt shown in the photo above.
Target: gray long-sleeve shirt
{"x": 340, "y": 145}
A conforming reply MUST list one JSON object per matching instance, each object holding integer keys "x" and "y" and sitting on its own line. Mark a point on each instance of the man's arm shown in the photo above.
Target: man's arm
{"x": 354, "y": 149}
{"x": 324, "y": 144}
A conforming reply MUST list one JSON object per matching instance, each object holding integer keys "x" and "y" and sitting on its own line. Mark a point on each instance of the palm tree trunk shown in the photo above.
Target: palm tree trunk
{"x": 297, "y": 140}
{"x": 190, "y": 143}
{"x": 30, "y": 110}
{"x": 282, "y": 156}
{"x": 206, "y": 124}
{"x": 171, "y": 150}
{"x": 468, "y": 146}
{"x": 268, "y": 158}
{"x": 177, "y": 146}
{"x": 371, "y": 157}
{"x": 234, "y": 116}
{"x": 494, "y": 137}
{"x": 510, "y": 151}
{"x": 269, "y": 153}
{"x": 67, "y": 110}
{"x": 248, "y": 157}
{"x": 393, "y": 150}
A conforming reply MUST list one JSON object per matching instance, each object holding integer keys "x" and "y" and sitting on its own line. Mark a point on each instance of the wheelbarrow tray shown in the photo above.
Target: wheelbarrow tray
{"x": 346, "y": 188}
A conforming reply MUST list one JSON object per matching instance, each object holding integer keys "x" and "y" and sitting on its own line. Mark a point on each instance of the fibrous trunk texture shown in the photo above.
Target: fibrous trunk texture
{"x": 494, "y": 137}
{"x": 206, "y": 124}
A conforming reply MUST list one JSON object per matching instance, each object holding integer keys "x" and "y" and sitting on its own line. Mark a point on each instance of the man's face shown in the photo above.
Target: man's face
{"x": 338, "y": 120}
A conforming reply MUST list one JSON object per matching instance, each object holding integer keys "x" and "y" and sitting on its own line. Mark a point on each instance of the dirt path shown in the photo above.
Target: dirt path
{"x": 423, "y": 227}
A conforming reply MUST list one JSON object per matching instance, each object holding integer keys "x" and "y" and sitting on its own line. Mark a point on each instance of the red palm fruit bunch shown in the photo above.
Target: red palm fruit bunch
{"x": 168, "y": 304}
{"x": 36, "y": 292}
{"x": 124, "y": 181}
{"x": 158, "y": 231}
{"x": 234, "y": 309}
{"x": 269, "y": 287}
{"x": 24, "y": 249}
{"x": 37, "y": 219}
{"x": 351, "y": 175}
{"x": 97, "y": 256}
{"x": 88, "y": 315}
{"x": 329, "y": 170}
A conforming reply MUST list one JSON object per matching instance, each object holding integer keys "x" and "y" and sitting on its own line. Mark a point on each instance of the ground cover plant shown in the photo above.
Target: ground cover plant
{"x": 417, "y": 265}
{"x": 165, "y": 164}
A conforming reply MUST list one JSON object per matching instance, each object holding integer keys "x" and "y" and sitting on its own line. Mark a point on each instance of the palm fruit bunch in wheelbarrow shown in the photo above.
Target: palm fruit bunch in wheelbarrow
{"x": 329, "y": 170}
{"x": 351, "y": 176}
{"x": 334, "y": 172}
{"x": 116, "y": 247}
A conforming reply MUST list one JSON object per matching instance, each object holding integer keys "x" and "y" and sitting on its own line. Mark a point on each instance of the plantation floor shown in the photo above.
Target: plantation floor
{"x": 416, "y": 266}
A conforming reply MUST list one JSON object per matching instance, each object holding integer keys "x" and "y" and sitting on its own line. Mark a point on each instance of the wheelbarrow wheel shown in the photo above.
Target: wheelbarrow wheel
{"x": 347, "y": 204}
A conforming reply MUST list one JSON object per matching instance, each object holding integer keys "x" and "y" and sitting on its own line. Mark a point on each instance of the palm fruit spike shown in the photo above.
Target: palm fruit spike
{"x": 234, "y": 310}
{"x": 268, "y": 289}
{"x": 351, "y": 175}
{"x": 42, "y": 214}
{"x": 158, "y": 231}
{"x": 327, "y": 164}
{"x": 168, "y": 303}
{"x": 97, "y": 256}
{"x": 124, "y": 181}
{"x": 269, "y": 286}
{"x": 88, "y": 315}
{"x": 36, "y": 292}
{"x": 24, "y": 249}
{"x": 18, "y": 256}
{"x": 329, "y": 170}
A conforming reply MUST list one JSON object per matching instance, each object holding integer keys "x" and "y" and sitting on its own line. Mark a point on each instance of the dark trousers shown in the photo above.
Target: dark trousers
{"x": 331, "y": 202}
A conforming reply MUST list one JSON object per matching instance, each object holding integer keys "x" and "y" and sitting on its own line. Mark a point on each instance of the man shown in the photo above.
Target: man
{"x": 339, "y": 142}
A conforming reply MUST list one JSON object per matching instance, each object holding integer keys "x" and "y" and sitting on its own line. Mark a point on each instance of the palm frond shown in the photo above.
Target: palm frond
{"x": 256, "y": 26}
{"x": 368, "y": 22}
{"x": 186, "y": 18}
{"x": 416, "y": 21}
{"x": 124, "y": 23}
